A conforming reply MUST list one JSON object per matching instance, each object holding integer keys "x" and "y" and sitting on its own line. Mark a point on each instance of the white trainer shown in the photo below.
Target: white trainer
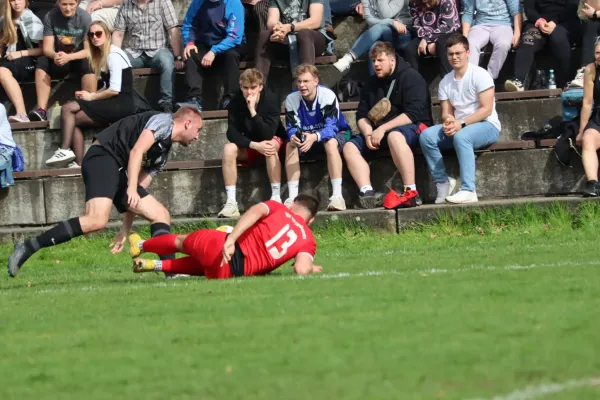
{"x": 578, "y": 81}
{"x": 230, "y": 209}
{"x": 276, "y": 198}
{"x": 344, "y": 63}
{"x": 288, "y": 202}
{"x": 463, "y": 197}
{"x": 73, "y": 165}
{"x": 336, "y": 203}
{"x": 61, "y": 158}
{"x": 444, "y": 190}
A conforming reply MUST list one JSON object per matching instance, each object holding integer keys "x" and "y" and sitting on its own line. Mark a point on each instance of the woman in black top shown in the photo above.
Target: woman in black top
{"x": 589, "y": 124}
{"x": 108, "y": 105}
{"x": 20, "y": 36}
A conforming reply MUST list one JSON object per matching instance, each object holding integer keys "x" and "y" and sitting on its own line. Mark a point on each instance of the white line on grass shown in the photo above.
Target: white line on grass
{"x": 534, "y": 392}
{"x": 339, "y": 275}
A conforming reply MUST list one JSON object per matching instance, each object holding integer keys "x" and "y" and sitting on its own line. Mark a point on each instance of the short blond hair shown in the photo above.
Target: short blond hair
{"x": 380, "y": 48}
{"x": 187, "y": 112}
{"x": 252, "y": 77}
{"x": 304, "y": 68}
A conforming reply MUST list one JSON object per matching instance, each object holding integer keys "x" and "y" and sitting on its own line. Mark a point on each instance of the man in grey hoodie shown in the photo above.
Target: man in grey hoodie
{"x": 388, "y": 20}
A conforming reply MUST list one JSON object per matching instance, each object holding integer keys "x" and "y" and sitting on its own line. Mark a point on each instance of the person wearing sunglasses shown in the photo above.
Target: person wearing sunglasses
{"x": 111, "y": 103}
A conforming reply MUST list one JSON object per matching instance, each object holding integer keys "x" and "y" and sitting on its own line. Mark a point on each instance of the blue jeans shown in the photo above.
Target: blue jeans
{"x": 164, "y": 61}
{"x": 464, "y": 142}
{"x": 6, "y": 172}
{"x": 379, "y": 33}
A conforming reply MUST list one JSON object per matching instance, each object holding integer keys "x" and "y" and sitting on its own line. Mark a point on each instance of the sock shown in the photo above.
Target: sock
{"x": 63, "y": 232}
{"x": 161, "y": 245}
{"x": 141, "y": 246}
{"x": 184, "y": 265}
{"x": 293, "y": 187}
{"x": 410, "y": 187}
{"x": 160, "y": 229}
{"x": 276, "y": 189}
{"x": 366, "y": 188}
{"x": 230, "y": 190}
{"x": 336, "y": 186}
{"x": 158, "y": 265}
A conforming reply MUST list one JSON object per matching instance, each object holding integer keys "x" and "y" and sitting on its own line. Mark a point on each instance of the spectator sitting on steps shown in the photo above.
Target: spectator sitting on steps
{"x": 315, "y": 125}
{"x": 470, "y": 120}
{"x": 65, "y": 52}
{"x": 20, "y": 40}
{"x": 213, "y": 31}
{"x": 149, "y": 24}
{"x": 255, "y": 132}
{"x": 398, "y": 130}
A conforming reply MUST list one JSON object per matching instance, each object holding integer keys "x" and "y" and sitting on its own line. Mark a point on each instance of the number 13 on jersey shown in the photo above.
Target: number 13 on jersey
{"x": 281, "y": 242}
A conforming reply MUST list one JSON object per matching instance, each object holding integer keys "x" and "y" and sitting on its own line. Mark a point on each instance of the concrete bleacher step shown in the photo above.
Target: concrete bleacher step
{"x": 199, "y": 191}
{"x": 519, "y": 113}
{"x": 378, "y": 219}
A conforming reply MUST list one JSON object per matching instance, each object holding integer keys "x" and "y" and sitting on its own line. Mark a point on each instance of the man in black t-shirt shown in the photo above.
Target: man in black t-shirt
{"x": 117, "y": 169}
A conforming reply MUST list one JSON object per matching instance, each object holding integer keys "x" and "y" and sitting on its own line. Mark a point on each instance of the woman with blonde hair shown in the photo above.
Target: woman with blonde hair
{"x": 21, "y": 34}
{"x": 108, "y": 105}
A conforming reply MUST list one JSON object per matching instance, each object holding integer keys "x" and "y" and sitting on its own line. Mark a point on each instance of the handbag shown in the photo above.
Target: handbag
{"x": 382, "y": 108}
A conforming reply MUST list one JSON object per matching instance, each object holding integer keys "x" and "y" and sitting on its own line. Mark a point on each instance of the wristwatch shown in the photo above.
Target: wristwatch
{"x": 178, "y": 58}
{"x": 595, "y": 15}
{"x": 292, "y": 27}
{"x": 462, "y": 123}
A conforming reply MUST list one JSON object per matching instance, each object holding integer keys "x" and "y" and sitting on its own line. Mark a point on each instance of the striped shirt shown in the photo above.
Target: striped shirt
{"x": 147, "y": 26}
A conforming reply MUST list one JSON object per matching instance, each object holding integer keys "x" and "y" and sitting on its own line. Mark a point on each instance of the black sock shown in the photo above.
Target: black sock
{"x": 159, "y": 229}
{"x": 63, "y": 232}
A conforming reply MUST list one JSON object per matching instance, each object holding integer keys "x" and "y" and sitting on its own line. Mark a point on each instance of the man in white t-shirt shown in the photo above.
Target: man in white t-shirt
{"x": 470, "y": 122}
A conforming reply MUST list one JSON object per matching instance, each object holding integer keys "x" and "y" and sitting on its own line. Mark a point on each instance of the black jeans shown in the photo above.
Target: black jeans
{"x": 226, "y": 64}
{"x": 591, "y": 28}
{"x": 310, "y": 44}
{"x": 410, "y": 53}
{"x": 559, "y": 41}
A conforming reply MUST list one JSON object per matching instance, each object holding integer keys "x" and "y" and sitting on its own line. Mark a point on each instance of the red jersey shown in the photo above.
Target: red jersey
{"x": 275, "y": 239}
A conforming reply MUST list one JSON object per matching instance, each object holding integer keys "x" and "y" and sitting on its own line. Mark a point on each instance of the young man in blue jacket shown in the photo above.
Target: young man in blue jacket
{"x": 213, "y": 32}
{"x": 314, "y": 124}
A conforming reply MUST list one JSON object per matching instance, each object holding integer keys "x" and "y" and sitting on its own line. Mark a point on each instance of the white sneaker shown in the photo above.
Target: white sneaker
{"x": 444, "y": 190}
{"x": 276, "y": 198}
{"x": 336, "y": 203}
{"x": 61, "y": 158}
{"x": 73, "y": 165}
{"x": 344, "y": 63}
{"x": 288, "y": 202}
{"x": 230, "y": 209}
{"x": 578, "y": 81}
{"x": 463, "y": 197}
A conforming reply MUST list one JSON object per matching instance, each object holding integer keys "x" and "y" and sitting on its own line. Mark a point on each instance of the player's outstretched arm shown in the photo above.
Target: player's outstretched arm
{"x": 304, "y": 265}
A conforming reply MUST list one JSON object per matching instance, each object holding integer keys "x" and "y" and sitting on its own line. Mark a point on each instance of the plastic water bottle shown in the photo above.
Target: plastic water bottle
{"x": 551, "y": 80}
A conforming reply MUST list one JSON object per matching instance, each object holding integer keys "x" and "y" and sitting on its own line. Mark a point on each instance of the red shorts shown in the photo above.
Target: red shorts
{"x": 205, "y": 247}
{"x": 254, "y": 156}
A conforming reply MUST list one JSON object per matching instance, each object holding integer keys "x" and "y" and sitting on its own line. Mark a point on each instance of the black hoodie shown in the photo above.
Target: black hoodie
{"x": 410, "y": 95}
{"x": 556, "y": 11}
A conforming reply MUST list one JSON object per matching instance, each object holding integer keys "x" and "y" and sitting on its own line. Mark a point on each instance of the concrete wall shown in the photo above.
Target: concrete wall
{"x": 200, "y": 192}
{"x": 38, "y": 146}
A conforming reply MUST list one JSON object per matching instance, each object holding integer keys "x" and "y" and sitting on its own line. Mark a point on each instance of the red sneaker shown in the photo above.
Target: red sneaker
{"x": 393, "y": 200}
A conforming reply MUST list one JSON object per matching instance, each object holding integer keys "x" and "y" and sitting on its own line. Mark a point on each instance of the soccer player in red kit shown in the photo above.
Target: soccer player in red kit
{"x": 266, "y": 237}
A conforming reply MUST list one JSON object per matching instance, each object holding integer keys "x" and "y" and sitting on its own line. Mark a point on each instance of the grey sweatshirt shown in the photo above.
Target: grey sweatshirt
{"x": 386, "y": 11}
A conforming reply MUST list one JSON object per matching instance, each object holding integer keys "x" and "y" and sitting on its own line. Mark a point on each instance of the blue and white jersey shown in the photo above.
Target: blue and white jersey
{"x": 323, "y": 118}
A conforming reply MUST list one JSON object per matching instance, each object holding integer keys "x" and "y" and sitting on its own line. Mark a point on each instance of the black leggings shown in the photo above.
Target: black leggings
{"x": 591, "y": 28}
{"x": 559, "y": 41}
{"x": 409, "y": 53}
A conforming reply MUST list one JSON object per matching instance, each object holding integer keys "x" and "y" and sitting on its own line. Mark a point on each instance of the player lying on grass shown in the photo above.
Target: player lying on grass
{"x": 266, "y": 237}
{"x": 117, "y": 169}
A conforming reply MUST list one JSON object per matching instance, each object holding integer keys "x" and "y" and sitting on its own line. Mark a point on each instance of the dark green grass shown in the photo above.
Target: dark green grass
{"x": 471, "y": 306}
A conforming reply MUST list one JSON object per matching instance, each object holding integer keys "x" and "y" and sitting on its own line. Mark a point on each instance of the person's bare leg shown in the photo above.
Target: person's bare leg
{"x": 358, "y": 167}
{"x": 89, "y": 83}
{"x": 402, "y": 156}
{"x": 42, "y": 88}
{"x": 82, "y": 120}
{"x": 292, "y": 162}
{"x": 229, "y": 164}
{"x": 13, "y": 90}
{"x": 589, "y": 155}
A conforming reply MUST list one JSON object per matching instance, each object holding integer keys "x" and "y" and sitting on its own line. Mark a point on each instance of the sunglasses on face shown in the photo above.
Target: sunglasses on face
{"x": 98, "y": 34}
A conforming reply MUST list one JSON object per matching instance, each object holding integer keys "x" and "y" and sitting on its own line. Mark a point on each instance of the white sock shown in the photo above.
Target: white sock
{"x": 276, "y": 189}
{"x": 366, "y": 188}
{"x": 230, "y": 190}
{"x": 141, "y": 245}
{"x": 350, "y": 57}
{"x": 293, "y": 187}
{"x": 336, "y": 186}
{"x": 157, "y": 265}
{"x": 411, "y": 187}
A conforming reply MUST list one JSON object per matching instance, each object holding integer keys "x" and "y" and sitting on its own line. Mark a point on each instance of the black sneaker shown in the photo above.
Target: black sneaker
{"x": 225, "y": 102}
{"x": 18, "y": 257}
{"x": 591, "y": 189}
{"x": 371, "y": 199}
{"x": 38, "y": 114}
{"x": 166, "y": 107}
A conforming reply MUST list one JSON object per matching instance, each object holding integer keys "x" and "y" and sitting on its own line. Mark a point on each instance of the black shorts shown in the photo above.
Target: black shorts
{"x": 319, "y": 147}
{"x": 410, "y": 133}
{"x": 22, "y": 69}
{"x": 77, "y": 67}
{"x": 103, "y": 177}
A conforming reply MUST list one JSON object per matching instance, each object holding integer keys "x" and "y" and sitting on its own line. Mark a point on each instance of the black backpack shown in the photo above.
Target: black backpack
{"x": 348, "y": 90}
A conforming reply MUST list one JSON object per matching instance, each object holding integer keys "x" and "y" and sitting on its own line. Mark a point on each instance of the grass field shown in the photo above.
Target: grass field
{"x": 481, "y": 306}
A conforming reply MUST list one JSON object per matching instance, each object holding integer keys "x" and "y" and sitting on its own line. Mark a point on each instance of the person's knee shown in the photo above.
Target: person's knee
{"x": 164, "y": 60}
{"x": 504, "y": 44}
{"x": 5, "y": 73}
{"x": 350, "y": 151}
{"x": 396, "y": 138}
{"x": 69, "y": 109}
{"x": 332, "y": 147}
{"x": 264, "y": 36}
{"x": 160, "y": 214}
{"x": 428, "y": 136}
{"x": 462, "y": 138}
{"x": 97, "y": 222}
{"x": 590, "y": 139}
{"x": 230, "y": 152}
